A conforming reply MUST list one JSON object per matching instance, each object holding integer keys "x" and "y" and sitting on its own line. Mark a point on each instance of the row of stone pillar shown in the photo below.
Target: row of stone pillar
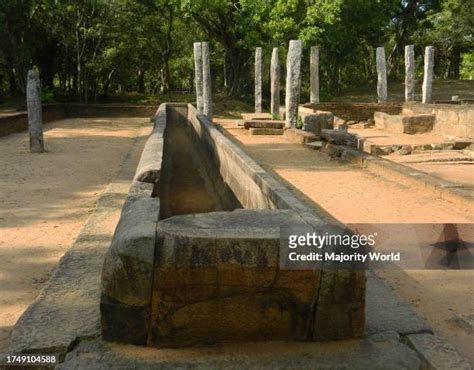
{"x": 293, "y": 72}
{"x": 427, "y": 86}
{"x": 202, "y": 71}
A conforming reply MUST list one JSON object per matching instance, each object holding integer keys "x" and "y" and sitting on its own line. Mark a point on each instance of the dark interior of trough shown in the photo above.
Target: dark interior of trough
{"x": 189, "y": 182}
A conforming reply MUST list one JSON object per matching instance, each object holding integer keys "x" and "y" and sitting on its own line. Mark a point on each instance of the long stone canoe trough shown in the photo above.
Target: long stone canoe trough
{"x": 195, "y": 255}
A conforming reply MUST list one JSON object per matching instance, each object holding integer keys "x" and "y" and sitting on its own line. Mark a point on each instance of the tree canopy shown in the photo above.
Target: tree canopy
{"x": 86, "y": 49}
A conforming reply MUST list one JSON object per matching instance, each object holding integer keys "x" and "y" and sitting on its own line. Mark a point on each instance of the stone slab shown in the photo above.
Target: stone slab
{"x": 149, "y": 167}
{"x": 376, "y": 352}
{"x": 338, "y": 137}
{"x": 386, "y": 311}
{"x": 314, "y": 145}
{"x": 299, "y": 136}
{"x": 260, "y": 116}
{"x": 265, "y": 131}
{"x": 436, "y": 353}
{"x": 264, "y": 124}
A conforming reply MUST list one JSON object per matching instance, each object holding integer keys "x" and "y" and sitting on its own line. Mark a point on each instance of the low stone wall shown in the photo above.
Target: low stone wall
{"x": 216, "y": 276}
{"x": 356, "y": 111}
{"x": 451, "y": 119}
{"x": 18, "y": 122}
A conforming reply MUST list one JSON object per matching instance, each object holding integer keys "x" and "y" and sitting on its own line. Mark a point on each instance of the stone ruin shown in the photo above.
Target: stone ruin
{"x": 195, "y": 256}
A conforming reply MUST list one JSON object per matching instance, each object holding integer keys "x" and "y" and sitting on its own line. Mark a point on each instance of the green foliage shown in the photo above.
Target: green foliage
{"x": 467, "y": 67}
{"x": 88, "y": 49}
{"x": 299, "y": 122}
{"x": 47, "y": 95}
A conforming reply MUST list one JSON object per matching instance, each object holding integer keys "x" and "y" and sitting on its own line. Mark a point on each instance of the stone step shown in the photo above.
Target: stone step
{"x": 314, "y": 145}
{"x": 265, "y": 131}
{"x": 264, "y": 124}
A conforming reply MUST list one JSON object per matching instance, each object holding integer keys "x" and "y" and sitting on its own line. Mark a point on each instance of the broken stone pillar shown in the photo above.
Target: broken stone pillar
{"x": 428, "y": 75}
{"x": 314, "y": 74}
{"x": 293, "y": 82}
{"x": 198, "y": 76}
{"x": 33, "y": 102}
{"x": 275, "y": 84}
{"x": 381, "y": 75}
{"x": 206, "y": 81}
{"x": 258, "y": 80}
{"x": 409, "y": 73}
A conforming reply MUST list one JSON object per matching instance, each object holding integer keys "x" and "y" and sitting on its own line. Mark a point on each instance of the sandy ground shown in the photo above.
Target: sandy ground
{"x": 46, "y": 198}
{"x": 354, "y": 195}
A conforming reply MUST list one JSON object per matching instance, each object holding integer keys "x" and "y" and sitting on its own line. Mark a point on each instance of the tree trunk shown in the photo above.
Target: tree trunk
{"x": 454, "y": 63}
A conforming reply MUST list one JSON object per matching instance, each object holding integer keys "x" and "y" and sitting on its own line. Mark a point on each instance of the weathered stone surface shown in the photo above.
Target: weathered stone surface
{"x": 198, "y": 76}
{"x": 415, "y": 124}
{"x": 33, "y": 103}
{"x": 206, "y": 81}
{"x": 312, "y": 123}
{"x": 264, "y": 124}
{"x": 427, "y": 87}
{"x": 275, "y": 84}
{"x": 338, "y": 137}
{"x": 466, "y": 321}
{"x": 215, "y": 282}
{"x": 293, "y": 82}
{"x": 314, "y": 74}
{"x": 258, "y": 80}
{"x": 149, "y": 168}
{"x": 386, "y": 311}
{"x": 336, "y": 122}
{"x": 436, "y": 353}
{"x": 409, "y": 73}
{"x": 381, "y": 351}
{"x": 381, "y": 75}
{"x": 128, "y": 269}
{"x": 265, "y": 131}
{"x": 300, "y": 136}
{"x": 314, "y": 145}
{"x": 453, "y": 120}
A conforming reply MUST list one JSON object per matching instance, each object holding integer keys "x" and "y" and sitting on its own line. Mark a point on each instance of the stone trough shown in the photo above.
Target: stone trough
{"x": 195, "y": 256}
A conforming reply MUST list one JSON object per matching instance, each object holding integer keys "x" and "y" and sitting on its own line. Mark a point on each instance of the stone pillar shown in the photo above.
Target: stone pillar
{"x": 428, "y": 75}
{"x": 409, "y": 73}
{"x": 198, "y": 76}
{"x": 314, "y": 74}
{"x": 275, "y": 84}
{"x": 33, "y": 103}
{"x": 206, "y": 81}
{"x": 258, "y": 80}
{"x": 381, "y": 75}
{"x": 293, "y": 82}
